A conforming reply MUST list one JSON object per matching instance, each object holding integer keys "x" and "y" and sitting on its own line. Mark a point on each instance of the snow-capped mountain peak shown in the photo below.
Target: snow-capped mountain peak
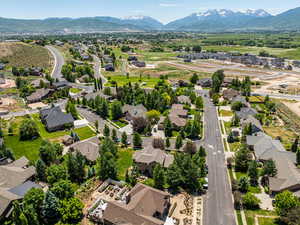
{"x": 255, "y": 12}
{"x": 227, "y": 13}
{"x": 137, "y": 17}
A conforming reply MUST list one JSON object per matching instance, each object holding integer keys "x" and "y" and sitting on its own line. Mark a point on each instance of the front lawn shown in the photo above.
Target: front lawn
{"x": 144, "y": 81}
{"x": 75, "y": 90}
{"x": 124, "y": 162}
{"x": 266, "y": 221}
{"x": 234, "y": 146}
{"x": 250, "y": 216}
{"x": 225, "y": 113}
{"x": 120, "y": 123}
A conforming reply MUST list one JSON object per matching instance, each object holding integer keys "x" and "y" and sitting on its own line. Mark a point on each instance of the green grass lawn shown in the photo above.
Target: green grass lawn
{"x": 239, "y": 217}
{"x": 75, "y": 90}
{"x": 30, "y": 148}
{"x": 266, "y": 221}
{"x": 120, "y": 124}
{"x": 227, "y": 126}
{"x": 156, "y": 56}
{"x": 240, "y": 174}
{"x": 250, "y": 215}
{"x": 226, "y": 113}
{"x": 124, "y": 162}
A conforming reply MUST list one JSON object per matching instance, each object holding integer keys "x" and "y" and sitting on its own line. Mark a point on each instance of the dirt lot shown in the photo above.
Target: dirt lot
{"x": 10, "y": 104}
{"x": 293, "y": 105}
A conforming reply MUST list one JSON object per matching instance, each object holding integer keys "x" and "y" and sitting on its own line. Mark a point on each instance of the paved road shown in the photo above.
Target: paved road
{"x": 58, "y": 61}
{"x": 279, "y": 96}
{"x": 218, "y": 204}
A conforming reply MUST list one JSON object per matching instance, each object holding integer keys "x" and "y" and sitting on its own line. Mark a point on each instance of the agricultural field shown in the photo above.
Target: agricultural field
{"x": 25, "y": 55}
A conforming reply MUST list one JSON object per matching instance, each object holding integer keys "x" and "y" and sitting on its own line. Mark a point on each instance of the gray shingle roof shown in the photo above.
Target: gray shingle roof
{"x": 54, "y": 117}
{"x": 88, "y": 148}
{"x": 22, "y": 189}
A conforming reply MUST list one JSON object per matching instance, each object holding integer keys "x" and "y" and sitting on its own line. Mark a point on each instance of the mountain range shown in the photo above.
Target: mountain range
{"x": 216, "y": 20}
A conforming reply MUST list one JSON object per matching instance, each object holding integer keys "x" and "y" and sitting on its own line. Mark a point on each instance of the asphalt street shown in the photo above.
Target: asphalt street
{"x": 218, "y": 204}
{"x": 58, "y": 62}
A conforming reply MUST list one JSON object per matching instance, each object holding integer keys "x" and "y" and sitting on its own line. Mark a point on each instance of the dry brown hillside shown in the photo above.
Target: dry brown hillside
{"x": 25, "y": 55}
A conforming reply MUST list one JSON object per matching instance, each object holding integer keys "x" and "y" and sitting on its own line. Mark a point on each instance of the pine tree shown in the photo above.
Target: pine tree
{"x": 168, "y": 127}
{"x": 253, "y": 173}
{"x": 158, "y": 177}
{"x": 114, "y": 135}
{"x": 40, "y": 170}
{"x": 202, "y": 152}
{"x": 124, "y": 138}
{"x": 137, "y": 140}
{"x": 168, "y": 144}
{"x": 298, "y": 157}
{"x": 294, "y": 147}
{"x": 50, "y": 208}
{"x": 107, "y": 166}
{"x": 106, "y": 131}
{"x": 97, "y": 125}
{"x": 178, "y": 143}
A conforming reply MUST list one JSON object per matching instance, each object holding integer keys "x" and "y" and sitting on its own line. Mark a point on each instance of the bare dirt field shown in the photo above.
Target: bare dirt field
{"x": 293, "y": 105}
{"x": 10, "y": 104}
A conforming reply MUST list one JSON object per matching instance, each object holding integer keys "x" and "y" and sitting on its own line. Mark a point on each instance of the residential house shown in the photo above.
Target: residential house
{"x": 89, "y": 148}
{"x": 134, "y": 111}
{"x": 245, "y": 112}
{"x": 241, "y": 99}
{"x": 288, "y": 175}
{"x": 178, "y": 116}
{"x": 54, "y": 119}
{"x": 255, "y": 124}
{"x": 144, "y": 205}
{"x": 36, "y": 83}
{"x": 132, "y": 58}
{"x": 39, "y": 95}
{"x": 61, "y": 84}
{"x": 147, "y": 158}
{"x": 205, "y": 82}
{"x": 182, "y": 99}
{"x": 230, "y": 94}
{"x": 15, "y": 181}
{"x": 227, "y": 82}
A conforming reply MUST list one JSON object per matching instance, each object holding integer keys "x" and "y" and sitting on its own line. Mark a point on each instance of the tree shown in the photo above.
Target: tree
{"x": 137, "y": 140}
{"x": 40, "y": 170}
{"x": 250, "y": 201}
{"x": 253, "y": 173}
{"x": 158, "y": 143}
{"x": 199, "y": 103}
{"x": 197, "y": 48}
{"x": 139, "y": 124}
{"x": 168, "y": 127}
{"x": 124, "y": 138}
{"x": 178, "y": 142}
{"x": 194, "y": 78}
{"x": 153, "y": 116}
{"x": 49, "y": 152}
{"x": 108, "y": 145}
{"x": 269, "y": 168}
{"x": 168, "y": 144}
{"x": 75, "y": 164}
{"x": 106, "y": 131}
{"x": 70, "y": 108}
{"x": 190, "y": 147}
{"x": 217, "y": 81}
{"x": 116, "y": 110}
{"x": 202, "y": 152}
{"x": 284, "y": 202}
{"x": 243, "y": 184}
{"x": 71, "y": 210}
{"x": 236, "y": 106}
{"x": 298, "y": 157}
{"x": 158, "y": 177}
{"x": 294, "y": 146}
{"x": 55, "y": 173}
{"x": 292, "y": 217}
{"x": 235, "y": 121}
{"x": 242, "y": 158}
{"x": 28, "y": 130}
{"x": 114, "y": 136}
{"x": 50, "y": 208}
{"x": 237, "y": 196}
{"x": 18, "y": 216}
{"x": 63, "y": 189}
{"x": 97, "y": 125}
{"x": 35, "y": 198}
{"x": 107, "y": 166}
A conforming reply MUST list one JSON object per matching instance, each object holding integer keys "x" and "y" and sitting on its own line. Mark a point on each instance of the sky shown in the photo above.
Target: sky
{"x": 163, "y": 10}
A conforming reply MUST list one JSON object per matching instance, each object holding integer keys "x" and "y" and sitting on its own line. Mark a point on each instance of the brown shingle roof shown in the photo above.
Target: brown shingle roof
{"x": 143, "y": 202}
{"x": 88, "y": 148}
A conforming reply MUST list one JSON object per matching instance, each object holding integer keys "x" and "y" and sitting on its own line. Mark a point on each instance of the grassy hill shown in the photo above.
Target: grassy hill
{"x": 25, "y": 55}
